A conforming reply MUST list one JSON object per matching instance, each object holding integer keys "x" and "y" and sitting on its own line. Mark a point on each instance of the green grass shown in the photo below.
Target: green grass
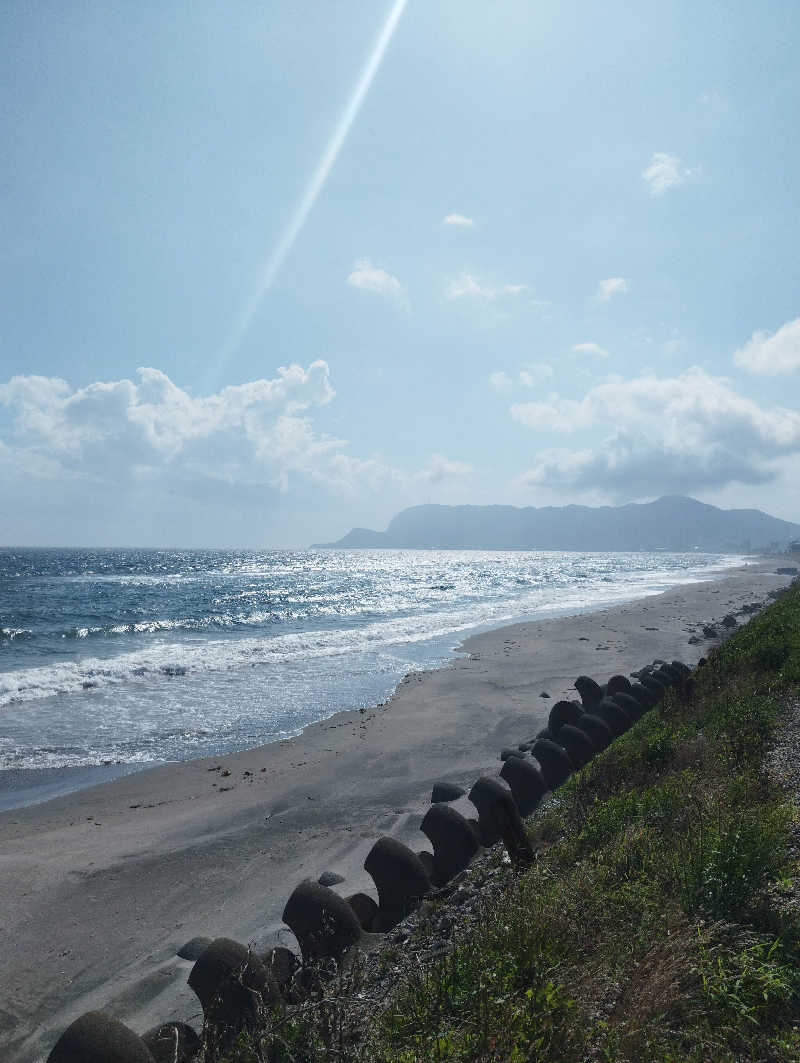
{"x": 648, "y": 929}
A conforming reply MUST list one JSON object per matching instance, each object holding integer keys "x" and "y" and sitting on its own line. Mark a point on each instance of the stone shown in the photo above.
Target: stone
{"x": 172, "y": 1042}
{"x": 597, "y": 730}
{"x": 97, "y": 1038}
{"x": 454, "y": 843}
{"x": 527, "y": 783}
{"x": 400, "y": 879}
{"x": 194, "y": 948}
{"x": 710, "y": 631}
{"x": 330, "y": 878}
{"x": 555, "y": 761}
{"x": 446, "y": 791}
{"x": 578, "y": 745}
{"x": 323, "y": 922}
{"x": 366, "y": 909}
{"x": 564, "y": 712}
{"x": 591, "y": 692}
{"x": 729, "y": 621}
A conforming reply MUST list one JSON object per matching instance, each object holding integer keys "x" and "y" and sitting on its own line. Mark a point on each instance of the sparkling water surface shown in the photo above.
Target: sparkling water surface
{"x": 141, "y": 656}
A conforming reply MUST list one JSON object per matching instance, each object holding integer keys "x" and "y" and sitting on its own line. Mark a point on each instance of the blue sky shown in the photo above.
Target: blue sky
{"x": 521, "y": 253}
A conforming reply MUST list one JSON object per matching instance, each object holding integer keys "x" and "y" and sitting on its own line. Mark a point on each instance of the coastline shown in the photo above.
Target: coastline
{"x": 101, "y": 886}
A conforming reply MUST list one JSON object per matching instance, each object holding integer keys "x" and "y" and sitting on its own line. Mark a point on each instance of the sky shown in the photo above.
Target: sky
{"x": 272, "y": 271}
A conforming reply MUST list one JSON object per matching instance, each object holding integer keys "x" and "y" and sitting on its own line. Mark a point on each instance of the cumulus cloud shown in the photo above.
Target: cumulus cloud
{"x": 610, "y": 287}
{"x": 459, "y": 221}
{"x": 772, "y": 354}
{"x": 666, "y": 171}
{"x": 468, "y": 287}
{"x": 683, "y": 433}
{"x": 440, "y": 470}
{"x": 590, "y": 348}
{"x": 371, "y": 278}
{"x": 529, "y": 376}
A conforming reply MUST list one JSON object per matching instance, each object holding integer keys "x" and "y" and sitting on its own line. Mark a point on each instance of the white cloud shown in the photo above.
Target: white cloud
{"x": 591, "y": 348}
{"x": 459, "y": 221}
{"x": 371, "y": 278}
{"x": 610, "y": 287}
{"x": 683, "y": 433}
{"x": 467, "y": 286}
{"x": 440, "y": 469}
{"x": 772, "y": 354}
{"x": 530, "y": 376}
{"x": 501, "y": 382}
{"x": 666, "y": 171}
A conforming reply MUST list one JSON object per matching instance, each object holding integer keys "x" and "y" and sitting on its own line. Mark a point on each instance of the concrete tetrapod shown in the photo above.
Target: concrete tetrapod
{"x": 629, "y": 705}
{"x": 172, "y": 1042}
{"x": 527, "y": 783}
{"x": 233, "y": 985}
{"x": 365, "y": 908}
{"x": 597, "y": 729}
{"x": 323, "y": 922}
{"x": 446, "y": 791}
{"x": 555, "y": 761}
{"x": 618, "y": 684}
{"x": 97, "y": 1038}
{"x": 453, "y": 840}
{"x": 645, "y": 697}
{"x": 616, "y": 718}
{"x": 656, "y": 687}
{"x": 579, "y": 746}
{"x": 591, "y": 692}
{"x": 498, "y": 817}
{"x": 564, "y": 712}
{"x": 400, "y": 879}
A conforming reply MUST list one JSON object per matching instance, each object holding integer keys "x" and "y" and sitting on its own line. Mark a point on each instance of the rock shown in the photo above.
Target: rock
{"x": 193, "y": 948}
{"x": 172, "y": 1042}
{"x": 454, "y": 843}
{"x": 616, "y": 717}
{"x": 555, "y": 761}
{"x": 618, "y": 684}
{"x": 544, "y": 694}
{"x": 591, "y": 693}
{"x": 400, "y": 878}
{"x": 446, "y": 791}
{"x": 97, "y": 1038}
{"x": 729, "y": 621}
{"x": 365, "y": 908}
{"x": 330, "y": 878}
{"x": 597, "y": 730}
{"x": 710, "y": 632}
{"x": 564, "y": 712}
{"x": 323, "y": 922}
{"x": 577, "y": 743}
{"x": 527, "y": 783}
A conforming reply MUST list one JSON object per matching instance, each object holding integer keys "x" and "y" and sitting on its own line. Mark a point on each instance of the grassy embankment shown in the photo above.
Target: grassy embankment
{"x": 658, "y": 922}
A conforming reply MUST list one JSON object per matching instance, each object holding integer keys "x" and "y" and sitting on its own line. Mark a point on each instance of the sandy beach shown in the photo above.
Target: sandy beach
{"x": 101, "y": 887}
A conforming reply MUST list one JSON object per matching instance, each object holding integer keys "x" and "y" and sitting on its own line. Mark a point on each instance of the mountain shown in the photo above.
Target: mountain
{"x": 673, "y": 522}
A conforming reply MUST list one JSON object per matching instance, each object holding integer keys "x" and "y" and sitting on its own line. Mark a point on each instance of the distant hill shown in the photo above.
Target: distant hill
{"x": 673, "y": 522}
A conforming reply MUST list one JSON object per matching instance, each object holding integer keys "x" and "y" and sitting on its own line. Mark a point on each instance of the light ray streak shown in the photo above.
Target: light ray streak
{"x": 314, "y": 187}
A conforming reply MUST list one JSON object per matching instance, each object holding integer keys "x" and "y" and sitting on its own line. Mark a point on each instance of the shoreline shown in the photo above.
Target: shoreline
{"x": 21, "y": 787}
{"x": 101, "y": 886}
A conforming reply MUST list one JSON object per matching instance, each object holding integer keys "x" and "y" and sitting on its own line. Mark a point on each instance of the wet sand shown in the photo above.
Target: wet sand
{"x": 100, "y": 887}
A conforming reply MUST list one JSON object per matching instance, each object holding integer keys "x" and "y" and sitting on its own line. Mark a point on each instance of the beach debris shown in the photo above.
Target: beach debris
{"x": 323, "y": 922}
{"x": 194, "y": 948}
{"x": 591, "y": 692}
{"x": 527, "y": 783}
{"x": 563, "y": 712}
{"x": 555, "y": 762}
{"x": 597, "y": 729}
{"x": 366, "y": 909}
{"x": 453, "y": 840}
{"x": 97, "y": 1038}
{"x": 172, "y": 1042}
{"x": 330, "y": 878}
{"x": 446, "y": 791}
{"x": 578, "y": 745}
{"x": 400, "y": 879}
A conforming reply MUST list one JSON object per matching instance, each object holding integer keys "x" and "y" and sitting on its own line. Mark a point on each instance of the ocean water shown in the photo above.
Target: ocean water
{"x": 134, "y": 657}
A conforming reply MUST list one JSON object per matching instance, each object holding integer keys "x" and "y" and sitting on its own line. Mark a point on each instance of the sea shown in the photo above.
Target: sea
{"x": 124, "y": 658}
